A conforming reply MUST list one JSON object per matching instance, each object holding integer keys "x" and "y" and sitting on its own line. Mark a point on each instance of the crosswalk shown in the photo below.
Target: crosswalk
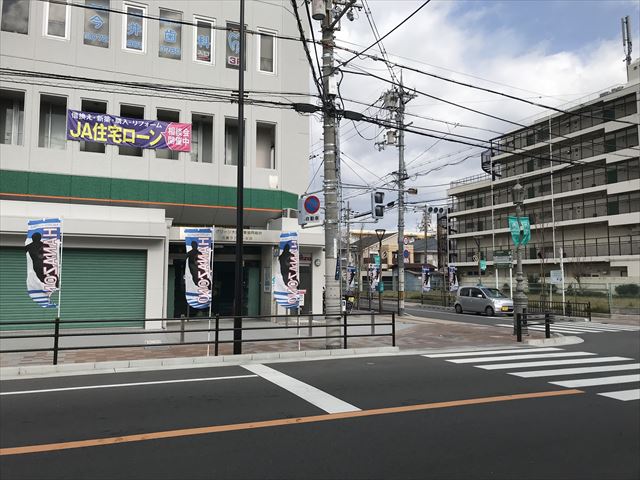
{"x": 580, "y": 327}
{"x": 570, "y": 369}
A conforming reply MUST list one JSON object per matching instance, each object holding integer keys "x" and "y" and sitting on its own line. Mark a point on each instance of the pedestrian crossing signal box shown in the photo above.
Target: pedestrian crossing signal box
{"x": 377, "y": 204}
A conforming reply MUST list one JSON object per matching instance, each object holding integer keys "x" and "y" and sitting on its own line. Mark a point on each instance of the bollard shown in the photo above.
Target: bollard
{"x": 344, "y": 330}
{"x": 518, "y": 327}
{"x": 56, "y": 339}
{"x": 310, "y": 326}
{"x": 373, "y": 324}
{"x": 589, "y": 310}
{"x": 547, "y": 326}
{"x": 393, "y": 329}
{"x": 182, "y": 330}
{"x": 215, "y": 351}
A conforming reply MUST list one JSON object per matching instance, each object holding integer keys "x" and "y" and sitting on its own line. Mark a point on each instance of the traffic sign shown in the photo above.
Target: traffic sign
{"x": 311, "y": 204}
{"x": 309, "y": 210}
{"x": 406, "y": 240}
{"x": 405, "y": 254}
{"x": 475, "y": 258}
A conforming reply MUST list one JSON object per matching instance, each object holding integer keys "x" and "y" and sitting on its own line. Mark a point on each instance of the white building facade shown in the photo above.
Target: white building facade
{"x": 124, "y": 209}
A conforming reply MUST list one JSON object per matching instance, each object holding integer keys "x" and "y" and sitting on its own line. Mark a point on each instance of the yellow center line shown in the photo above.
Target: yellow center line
{"x": 140, "y": 437}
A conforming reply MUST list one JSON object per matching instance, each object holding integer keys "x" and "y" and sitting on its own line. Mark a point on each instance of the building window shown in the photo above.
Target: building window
{"x": 233, "y": 46}
{"x": 201, "y": 138}
{"x": 168, "y": 116}
{"x": 96, "y": 23}
{"x": 11, "y": 117}
{"x": 56, "y": 20}
{"x": 15, "y": 16}
{"x": 265, "y": 145}
{"x": 170, "y": 34}
{"x": 53, "y": 122}
{"x": 267, "y": 51}
{"x": 231, "y": 141}
{"x": 93, "y": 106}
{"x": 131, "y": 111}
{"x": 134, "y": 31}
{"x": 203, "y": 40}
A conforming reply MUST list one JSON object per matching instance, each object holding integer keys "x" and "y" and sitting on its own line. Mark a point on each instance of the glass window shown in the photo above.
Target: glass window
{"x": 202, "y": 138}
{"x": 231, "y": 141}
{"x": 96, "y": 23}
{"x": 265, "y": 145}
{"x": 15, "y": 16}
{"x": 170, "y": 34}
{"x": 56, "y": 20}
{"x": 203, "y": 40}
{"x": 131, "y": 111}
{"x": 168, "y": 116}
{"x": 133, "y": 33}
{"x": 267, "y": 49}
{"x": 53, "y": 122}
{"x": 11, "y": 117}
{"x": 93, "y": 106}
{"x": 233, "y": 46}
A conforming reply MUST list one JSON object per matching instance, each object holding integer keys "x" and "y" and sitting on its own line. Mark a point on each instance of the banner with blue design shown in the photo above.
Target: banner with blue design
{"x": 43, "y": 247}
{"x": 287, "y": 274}
{"x": 351, "y": 278}
{"x": 197, "y": 270}
{"x": 426, "y": 279}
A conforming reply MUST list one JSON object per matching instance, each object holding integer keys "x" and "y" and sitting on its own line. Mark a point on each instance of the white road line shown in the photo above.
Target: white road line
{"x": 489, "y": 352}
{"x": 548, "y": 363}
{"x": 578, "y": 370}
{"x": 313, "y": 395}
{"x": 521, "y": 357}
{"x": 119, "y": 385}
{"x": 592, "y": 382}
{"x": 597, "y": 326}
{"x": 624, "y": 395}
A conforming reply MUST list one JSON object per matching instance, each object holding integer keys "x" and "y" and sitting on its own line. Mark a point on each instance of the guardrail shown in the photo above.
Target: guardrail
{"x": 343, "y": 324}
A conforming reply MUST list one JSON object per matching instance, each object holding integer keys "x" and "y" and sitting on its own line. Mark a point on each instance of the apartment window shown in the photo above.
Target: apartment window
{"x": 15, "y": 16}
{"x": 170, "y": 34}
{"x": 93, "y": 106}
{"x": 233, "y": 46}
{"x": 131, "y": 111}
{"x": 201, "y": 138}
{"x": 96, "y": 23}
{"x": 265, "y": 145}
{"x": 56, "y": 20}
{"x": 267, "y": 51}
{"x": 231, "y": 141}
{"x": 203, "y": 40}
{"x": 168, "y": 116}
{"x": 134, "y": 31}
{"x": 11, "y": 117}
{"x": 53, "y": 122}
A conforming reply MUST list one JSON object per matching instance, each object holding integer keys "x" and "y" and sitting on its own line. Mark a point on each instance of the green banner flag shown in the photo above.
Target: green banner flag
{"x": 483, "y": 265}
{"x": 515, "y": 230}
{"x": 526, "y": 230}
{"x": 520, "y": 231}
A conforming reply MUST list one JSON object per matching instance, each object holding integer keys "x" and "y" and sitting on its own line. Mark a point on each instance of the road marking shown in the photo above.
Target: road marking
{"x": 118, "y": 385}
{"x": 140, "y": 437}
{"x": 592, "y": 382}
{"x": 548, "y": 363}
{"x": 489, "y": 352}
{"x": 624, "y": 395}
{"x": 521, "y": 357}
{"x": 311, "y": 394}
{"x": 578, "y": 370}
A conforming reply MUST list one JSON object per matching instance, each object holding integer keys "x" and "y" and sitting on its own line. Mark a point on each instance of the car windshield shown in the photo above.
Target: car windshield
{"x": 494, "y": 293}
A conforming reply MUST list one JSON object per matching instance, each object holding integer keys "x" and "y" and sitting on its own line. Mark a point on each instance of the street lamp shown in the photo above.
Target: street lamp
{"x": 477, "y": 239}
{"x": 519, "y": 298}
{"x": 380, "y": 234}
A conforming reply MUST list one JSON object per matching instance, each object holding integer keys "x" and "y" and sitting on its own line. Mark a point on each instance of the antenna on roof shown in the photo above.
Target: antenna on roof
{"x": 626, "y": 39}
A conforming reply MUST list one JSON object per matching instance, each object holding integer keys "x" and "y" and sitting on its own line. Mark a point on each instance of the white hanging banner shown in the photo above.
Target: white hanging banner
{"x": 426, "y": 280}
{"x": 287, "y": 276}
{"x": 197, "y": 270}
{"x": 43, "y": 248}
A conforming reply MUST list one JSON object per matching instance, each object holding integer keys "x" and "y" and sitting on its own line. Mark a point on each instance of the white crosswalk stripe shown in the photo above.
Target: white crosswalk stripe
{"x": 580, "y": 327}
{"x": 511, "y": 360}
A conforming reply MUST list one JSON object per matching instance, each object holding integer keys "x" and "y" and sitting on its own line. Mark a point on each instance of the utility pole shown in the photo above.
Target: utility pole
{"x": 348, "y": 221}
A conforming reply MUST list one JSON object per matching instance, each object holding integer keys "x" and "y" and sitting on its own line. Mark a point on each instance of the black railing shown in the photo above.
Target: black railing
{"x": 567, "y": 309}
{"x": 341, "y": 321}
{"x": 523, "y": 322}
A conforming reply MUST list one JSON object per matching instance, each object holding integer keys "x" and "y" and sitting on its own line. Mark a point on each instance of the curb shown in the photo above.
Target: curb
{"x": 560, "y": 340}
{"x": 122, "y": 366}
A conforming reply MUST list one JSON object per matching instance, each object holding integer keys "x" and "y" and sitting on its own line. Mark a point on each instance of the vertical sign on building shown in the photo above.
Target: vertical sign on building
{"x": 197, "y": 270}
{"x": 351, "y": 278}
{"x": 286, "y": 278}
{"x": 96, "y": 23}
{"x": 232, "y": 55}
{"x": 426, "y": 280}
{"x": 170, "y": 34}
{"x": 135, "y": 28}
{"x": 204, "y": 41}
{"x": 43, "y": 248}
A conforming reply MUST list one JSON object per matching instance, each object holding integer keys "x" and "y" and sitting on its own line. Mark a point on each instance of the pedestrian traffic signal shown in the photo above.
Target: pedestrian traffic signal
{"x": 377, "y": 204}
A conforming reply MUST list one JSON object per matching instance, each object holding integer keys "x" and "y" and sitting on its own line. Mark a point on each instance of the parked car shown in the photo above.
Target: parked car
{"x": 489, "y": 301}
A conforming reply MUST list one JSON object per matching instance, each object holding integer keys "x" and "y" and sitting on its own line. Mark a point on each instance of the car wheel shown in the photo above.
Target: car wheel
{"x": 458, "y": 308}
{"x": 489, "y": 311}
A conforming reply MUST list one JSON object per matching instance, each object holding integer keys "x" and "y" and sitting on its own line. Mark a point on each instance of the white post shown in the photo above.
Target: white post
{"x": 60, "y": 269}
{"x": 511, "y": 282}
{"x": 562, "y": 274}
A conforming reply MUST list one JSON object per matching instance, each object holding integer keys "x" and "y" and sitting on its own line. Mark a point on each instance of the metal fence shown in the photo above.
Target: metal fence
{"x": 568, "y": 308}
{"x": 346, "y": 321}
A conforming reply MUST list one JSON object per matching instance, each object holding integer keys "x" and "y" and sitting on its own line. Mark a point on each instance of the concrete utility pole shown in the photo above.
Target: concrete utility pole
{"x": 519, "y": 299}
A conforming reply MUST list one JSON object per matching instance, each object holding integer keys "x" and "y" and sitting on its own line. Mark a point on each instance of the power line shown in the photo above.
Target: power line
{"x": 306, "y": 48}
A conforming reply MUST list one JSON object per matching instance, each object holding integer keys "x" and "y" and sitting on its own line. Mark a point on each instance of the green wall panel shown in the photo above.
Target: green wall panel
{"x": 49, "y": 184}
{"x": 90, "y": 187}
{"x": 201, "y": 195}
{"x": 14, "y": 182}
{"x": 122, "y": 189}
{"x": 166, "y": 192}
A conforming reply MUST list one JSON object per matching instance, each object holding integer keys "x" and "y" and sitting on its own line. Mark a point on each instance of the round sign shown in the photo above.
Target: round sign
{"x": 312, "y": 204}
{"x": 475, "y": 258}
{"x": 406, "y": 240}
{"x": 406, "y": 254}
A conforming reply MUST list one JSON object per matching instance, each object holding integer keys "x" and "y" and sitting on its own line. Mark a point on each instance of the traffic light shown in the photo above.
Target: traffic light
{"x": 377, "y": 204}
{"x": 436, "y": 210}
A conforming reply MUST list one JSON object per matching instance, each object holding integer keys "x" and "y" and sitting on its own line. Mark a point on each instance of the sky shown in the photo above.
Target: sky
{"x": 550, "y": 52}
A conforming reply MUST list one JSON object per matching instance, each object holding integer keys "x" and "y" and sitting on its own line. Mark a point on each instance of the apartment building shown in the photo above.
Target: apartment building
{"x": 125, "y": 208}
{"x": 581, "y": 177}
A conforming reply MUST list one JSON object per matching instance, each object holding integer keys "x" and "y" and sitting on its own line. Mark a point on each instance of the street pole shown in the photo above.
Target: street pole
{"x": 401, "y": 177}
{"x": 330, "y": 186}
{"x": 237, "y": 300}
{"x": 519, "y": 299}
{"x": 425, "y": 225}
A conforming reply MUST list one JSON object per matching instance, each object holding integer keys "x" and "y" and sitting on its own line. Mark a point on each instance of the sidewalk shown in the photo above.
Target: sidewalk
{"x": 411, "y": 333}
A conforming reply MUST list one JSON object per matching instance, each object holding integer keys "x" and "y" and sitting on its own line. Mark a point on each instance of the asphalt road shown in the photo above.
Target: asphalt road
{"x": 404, "y": 416}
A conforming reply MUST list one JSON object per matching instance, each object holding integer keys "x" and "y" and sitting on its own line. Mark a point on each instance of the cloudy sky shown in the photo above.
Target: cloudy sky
{"x": 551, "y": 52}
